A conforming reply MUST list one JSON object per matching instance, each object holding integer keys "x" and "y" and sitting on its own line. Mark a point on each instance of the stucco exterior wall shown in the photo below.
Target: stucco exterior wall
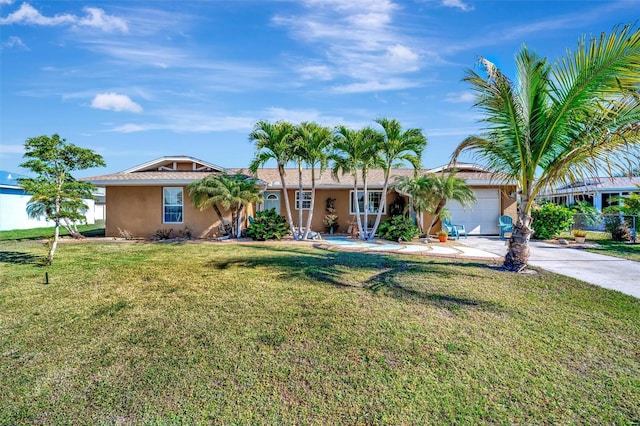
{"x": 341, "y": 205}
{"x": 138, "y": 210}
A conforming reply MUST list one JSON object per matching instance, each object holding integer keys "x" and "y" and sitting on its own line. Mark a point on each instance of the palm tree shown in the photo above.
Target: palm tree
{"x": 273, "y": 142}
{"x": 206, "y": 192}
{"x": 314, "y": 143}
{"x": 418, "y": 190}
{"x": 559, "y": 122}
{"x": 231, "y": 193}
{"x": 441, "y": 188}
{"x": 355, "y": 152}
{"x": 397, "y": 146}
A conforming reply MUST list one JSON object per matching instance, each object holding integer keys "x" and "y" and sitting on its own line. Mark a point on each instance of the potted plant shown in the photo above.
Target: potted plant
{"x": 443, "y": 236}
{"x": 579, "y": 235}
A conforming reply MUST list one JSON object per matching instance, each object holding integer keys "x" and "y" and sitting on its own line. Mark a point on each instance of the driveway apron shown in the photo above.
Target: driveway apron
{"x": 605, "y": 271}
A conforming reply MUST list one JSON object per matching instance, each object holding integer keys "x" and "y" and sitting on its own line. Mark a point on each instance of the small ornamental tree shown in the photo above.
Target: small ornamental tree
{"x": 56, "y": 194}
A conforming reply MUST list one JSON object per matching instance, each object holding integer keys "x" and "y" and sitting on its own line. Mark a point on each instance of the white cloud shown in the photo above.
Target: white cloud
{"x": 6, "y": 1}
{"x": 115, "y": 102}
{"x": 94, "y": 18}
{"x": 14, "y": 41}
{"x": 376, "y": 86}
{"x": 459, "y": 97}
{"x": 459, "y": 4}
{"x": 357, "y": 40}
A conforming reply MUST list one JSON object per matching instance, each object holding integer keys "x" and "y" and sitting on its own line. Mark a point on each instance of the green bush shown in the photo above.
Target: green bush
{"x": 551, "y": 219}
{"x": 398, "y": 228}
{"x": 615, "y": 224}
{"x": 268, "y": 225}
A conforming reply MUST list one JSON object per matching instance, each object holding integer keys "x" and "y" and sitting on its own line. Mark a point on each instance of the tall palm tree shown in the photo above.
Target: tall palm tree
{"x": 355, "y": 152}
{"x": 440, "y": 189}
{"x": 273, "y": 142}
{"x": 398, "y": 146}
{"x": 314, "y": 145}
{"x": 559, "y": 122}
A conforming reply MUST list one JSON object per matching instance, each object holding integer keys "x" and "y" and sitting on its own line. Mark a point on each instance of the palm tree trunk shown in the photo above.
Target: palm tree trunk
{"x": 436, "y": 215}
{"x": 300, "y": 203}
{"x": 239, "y": 221}
{"x": 365, "y": 203}
{"x": 285, "y": 195}
{"x": 355, "y": 200}
{"x": 313, "y": 199}
{"x": 518, "y": 254}
{"x": 383, "y": 202}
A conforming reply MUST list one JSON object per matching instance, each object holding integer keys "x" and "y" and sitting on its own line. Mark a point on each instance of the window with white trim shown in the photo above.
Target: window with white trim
{"x": 375, "y": 198}
{"x": 306, "y": 200}
{"x": 172, "y": 203}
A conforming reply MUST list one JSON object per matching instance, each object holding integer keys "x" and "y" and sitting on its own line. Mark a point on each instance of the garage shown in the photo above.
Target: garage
{"x": 482, "y": 217}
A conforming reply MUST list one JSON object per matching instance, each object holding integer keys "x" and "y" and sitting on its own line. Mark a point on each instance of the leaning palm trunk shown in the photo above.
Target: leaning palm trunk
{"x": 365, "y": 223}
{"x": 313, "y": 199}
{"x": 285, "y": 195}
{"x": 239, "y": 221}
{"x": 357, "y": 204}
{"x": 383, "y": 203}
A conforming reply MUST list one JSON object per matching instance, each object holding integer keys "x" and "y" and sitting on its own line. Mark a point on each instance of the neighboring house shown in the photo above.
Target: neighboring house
{"x": 596, "y": 191}
{"x": 13, "y": 205}
{"x": 154, "y": 196}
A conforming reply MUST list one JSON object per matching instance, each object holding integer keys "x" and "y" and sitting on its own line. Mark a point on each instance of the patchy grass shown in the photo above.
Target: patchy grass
{"x": 95, "y": 230}
{"x": 608, "y": 247}
{"x": 286, "y": 333}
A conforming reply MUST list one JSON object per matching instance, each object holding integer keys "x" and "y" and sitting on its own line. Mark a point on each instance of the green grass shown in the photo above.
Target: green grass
{"x": 286, "y": 333}
{"x": 95, "y": 230}
{"x": 608, "y": 247}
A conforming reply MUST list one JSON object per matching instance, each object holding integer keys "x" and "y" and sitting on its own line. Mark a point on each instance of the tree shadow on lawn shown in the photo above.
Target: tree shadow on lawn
{"x": 21, "y": 258}
{"x": 337, "y": 268}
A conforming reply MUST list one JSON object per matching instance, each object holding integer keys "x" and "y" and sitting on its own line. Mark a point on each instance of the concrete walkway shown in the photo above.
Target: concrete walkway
{"x": 605, "y": 271}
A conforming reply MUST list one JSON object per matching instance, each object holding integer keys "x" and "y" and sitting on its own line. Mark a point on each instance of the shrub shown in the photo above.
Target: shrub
{"x": 551, "y": 219}
{"x": 615, "y": 224}
{"x": 398, "y": 228}
{"x": 163, "y": 234}
{"x": 268, "y": 225}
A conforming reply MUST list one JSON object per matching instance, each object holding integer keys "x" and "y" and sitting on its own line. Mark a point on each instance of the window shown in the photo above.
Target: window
{"x": 375, "y": 198}
{"x": 172, "y": 205}
{"x": 306, "y": 200}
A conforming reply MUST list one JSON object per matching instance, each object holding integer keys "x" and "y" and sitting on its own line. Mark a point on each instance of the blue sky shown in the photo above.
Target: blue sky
{"x": 137, "y": 80}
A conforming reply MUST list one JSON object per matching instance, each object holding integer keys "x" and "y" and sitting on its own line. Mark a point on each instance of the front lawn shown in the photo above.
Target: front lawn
{"x": 93, "y": 230}
{"x": 285, "y": 333}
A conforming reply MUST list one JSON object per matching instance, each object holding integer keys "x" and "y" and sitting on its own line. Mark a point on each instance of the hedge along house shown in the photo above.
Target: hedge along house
{"x": 154, "y": 196}
{"x": 495, "y": 197}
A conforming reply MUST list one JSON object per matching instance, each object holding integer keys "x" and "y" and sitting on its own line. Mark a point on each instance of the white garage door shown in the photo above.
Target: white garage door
{"x": 482, "y": 217}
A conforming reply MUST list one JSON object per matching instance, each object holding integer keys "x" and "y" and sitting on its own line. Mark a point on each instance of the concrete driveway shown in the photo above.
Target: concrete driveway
{"x": 605, "y": 271}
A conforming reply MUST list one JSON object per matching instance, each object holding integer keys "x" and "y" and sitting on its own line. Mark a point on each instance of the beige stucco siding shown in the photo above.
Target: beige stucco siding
{"x": 138, "y": 210}
{"x": 341, "y": 205}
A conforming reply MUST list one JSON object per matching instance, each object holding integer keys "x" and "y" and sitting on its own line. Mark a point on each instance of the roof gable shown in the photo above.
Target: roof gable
{"x": 177, "y": 163}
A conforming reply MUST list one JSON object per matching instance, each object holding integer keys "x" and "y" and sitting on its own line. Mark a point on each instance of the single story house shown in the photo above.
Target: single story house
{"x": 13, "y": 205}
{"x": 154, "y": 195}
{"x": 597, "y": 191}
